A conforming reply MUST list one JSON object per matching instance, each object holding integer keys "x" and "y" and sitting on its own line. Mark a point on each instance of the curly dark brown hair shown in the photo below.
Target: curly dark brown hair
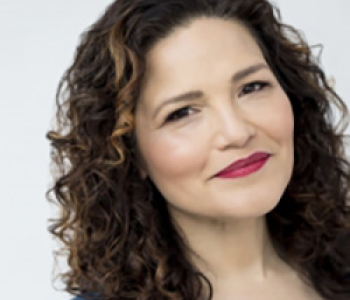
{"x": 114, "y": 226}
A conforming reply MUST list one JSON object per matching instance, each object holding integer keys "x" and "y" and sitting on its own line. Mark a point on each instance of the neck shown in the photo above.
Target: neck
{"x": 234, "y": 250}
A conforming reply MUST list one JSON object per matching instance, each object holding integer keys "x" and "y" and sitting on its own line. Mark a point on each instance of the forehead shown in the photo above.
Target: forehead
{"x": 202, "y": 36}
{"x": 205, "y": 46}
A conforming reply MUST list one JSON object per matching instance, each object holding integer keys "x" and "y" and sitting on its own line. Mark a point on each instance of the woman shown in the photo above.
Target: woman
{"x": 197, "y": 158}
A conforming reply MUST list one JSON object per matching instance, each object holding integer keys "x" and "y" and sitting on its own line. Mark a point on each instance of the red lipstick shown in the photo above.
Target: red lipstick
{"x": 245, "y": 166}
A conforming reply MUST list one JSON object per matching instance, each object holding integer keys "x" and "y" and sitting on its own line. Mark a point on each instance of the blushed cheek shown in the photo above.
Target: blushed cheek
{"x": 172, "y": 157}
{"x": 286, "y": 119}
{"x": 280, "y": 120}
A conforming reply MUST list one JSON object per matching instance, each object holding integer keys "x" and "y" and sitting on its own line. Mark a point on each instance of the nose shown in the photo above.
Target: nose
{"x": 231, "y": 128}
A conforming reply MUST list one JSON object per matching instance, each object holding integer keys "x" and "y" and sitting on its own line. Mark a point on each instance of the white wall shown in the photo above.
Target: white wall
{"x": 37, "y": 42}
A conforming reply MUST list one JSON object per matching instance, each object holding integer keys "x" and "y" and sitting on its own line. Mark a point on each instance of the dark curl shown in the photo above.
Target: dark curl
{"x": 115, "y": 227}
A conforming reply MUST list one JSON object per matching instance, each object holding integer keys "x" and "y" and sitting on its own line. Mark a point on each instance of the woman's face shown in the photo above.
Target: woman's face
{"x": 227, "y": 115}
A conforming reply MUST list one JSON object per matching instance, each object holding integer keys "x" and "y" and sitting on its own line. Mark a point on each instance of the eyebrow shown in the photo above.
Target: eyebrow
{"x": 238, "y": 76}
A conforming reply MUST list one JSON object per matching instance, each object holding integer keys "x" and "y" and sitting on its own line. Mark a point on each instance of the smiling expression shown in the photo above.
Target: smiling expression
{"x": 208, "y": 99}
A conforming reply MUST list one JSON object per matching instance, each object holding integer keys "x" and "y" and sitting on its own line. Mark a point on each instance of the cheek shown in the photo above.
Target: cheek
{"x": 278, "y": 119}
{"x": 169, "y": 156}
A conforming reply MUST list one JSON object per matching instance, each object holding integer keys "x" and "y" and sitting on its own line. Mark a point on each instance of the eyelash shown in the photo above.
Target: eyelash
{"x": 170, "y": 117}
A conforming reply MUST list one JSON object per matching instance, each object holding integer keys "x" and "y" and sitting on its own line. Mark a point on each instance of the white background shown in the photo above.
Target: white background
{"x": 37, "y": 42}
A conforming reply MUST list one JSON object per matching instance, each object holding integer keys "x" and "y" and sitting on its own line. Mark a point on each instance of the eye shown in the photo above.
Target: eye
{"x": 179, "y": 114}
{"x": 254, "y": 87}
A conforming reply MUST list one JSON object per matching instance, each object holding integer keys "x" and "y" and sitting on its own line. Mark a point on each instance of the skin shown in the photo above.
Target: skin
{"x": 223, "y": 219}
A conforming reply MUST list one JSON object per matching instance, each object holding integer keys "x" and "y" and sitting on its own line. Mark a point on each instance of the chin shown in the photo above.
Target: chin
{"x": 247, "y": 206}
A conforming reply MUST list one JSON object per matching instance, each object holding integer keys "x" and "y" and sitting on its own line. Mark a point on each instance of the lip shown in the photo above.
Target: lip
{"x": 241, "y": 163}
